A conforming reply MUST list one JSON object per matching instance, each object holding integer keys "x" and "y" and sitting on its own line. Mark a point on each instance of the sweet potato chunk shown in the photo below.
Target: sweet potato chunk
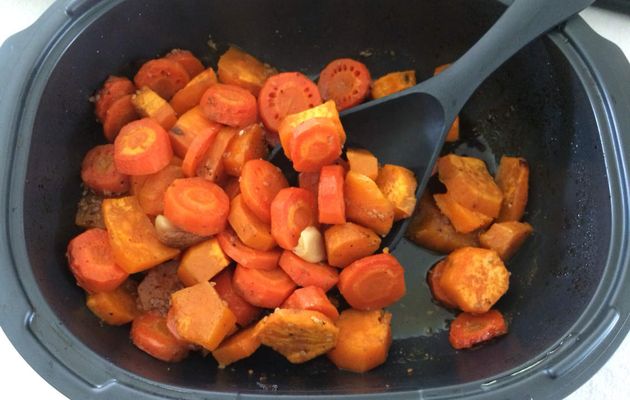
{"x": 299, "y": 335}
{"x": 363, "y": 162}
{"x": 366, "y": 205}
{"x": 150, "y": 105}
{"x": 346, "y": 243}
{"x": 399, "y": 185}
{"x": 117, "y": 307}
{"x": 433, "y": 279}
{"x": 202, "y": 262}
{"x": 364, "y": 340}
{"x": 513, "y": 179}
{"x": 236, "y": 67}
{"x": 453, "y": 133}
{"x": 506, "y": 237}
{"x": 248, "y": 144}
{"x": 464, "y": 220}
{"x": 392, "y": 83}
{"x": 238, "y": 346}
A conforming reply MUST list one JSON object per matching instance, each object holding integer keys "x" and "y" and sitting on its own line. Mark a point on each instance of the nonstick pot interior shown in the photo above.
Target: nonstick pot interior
{"x": 535, "y": 106}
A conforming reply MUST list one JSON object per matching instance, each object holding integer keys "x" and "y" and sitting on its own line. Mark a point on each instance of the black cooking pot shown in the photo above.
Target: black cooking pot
{"x": 562, "y": 103}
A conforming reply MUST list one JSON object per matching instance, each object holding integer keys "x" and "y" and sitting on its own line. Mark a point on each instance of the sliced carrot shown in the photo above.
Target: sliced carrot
{"x": 142, "y": 147}
{"x": 191, "y": 64}
{"x": 245, "y": 313}
{"x": 468, "y": 330}
{"x": 372, "y": 282}
{"x": 363, "y": 162}
{"x": 150, "y": 334}
{"x": 513, "y": 179}
{"x": 248, "y": 144}
{"x": 453, "y": 133}
{"x": 283, "y": 94}
{"x": 119, "y": 114}
{"x": 262, "y": 288}
{"x": 260, "y": 183}
{"x": 250, "y": 229}
{"x": 349, "y": 242}
{"x": 505, "y": 237}
{"x": 366, "y": 205}
{"x": 346, "y": 81}
{"x": 392, "y": 83}
{"x": 229, "y": 105}
{"x": 116, "y": 307}
{"x": 311, "y": 298}
{"x": 246, "y": 256}
{"x": 238, "y": 346}
{"x": 197, "y": 151}
{"x": 315, "y": 143}
{"x": 236, "y": 67}
{"x": 439, "y": 69}
{"x": 398, "y": 184}
{"x": 464, "y": 220}
{"x": 305, "y": 273}
{"x": 192, "y": 123}
{"x": 197, "y": 205}
{"x": 292, "y": 210}
{"x": 92, "y": 262}
{"x": 232, "y": 187}
{"x": 211, "y": 166}
{"x": 433, "y": 279}
{"x": 151, "y": 194}
{"x": 114, "y": 88}
{"x": 309, "y": 181}
{"x": 202, "y": 262}
{"x": 330, "y": 200}
{"x": 163, "y": 76}
{"x": 150, "y": 105}
{"x": 190, "y": 95}
{"x": 99, "y": 173}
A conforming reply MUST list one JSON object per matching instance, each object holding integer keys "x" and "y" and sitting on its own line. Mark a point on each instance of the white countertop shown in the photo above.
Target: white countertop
{"x": 19, "y": 381}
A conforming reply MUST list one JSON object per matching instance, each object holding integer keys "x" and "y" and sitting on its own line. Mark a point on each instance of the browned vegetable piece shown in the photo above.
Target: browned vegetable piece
{"x": 463, "y": 219}
{"x": 154, "y": 292}
{"x": 399, "y": 185}
{"x": 89, "y": 213}
{"x": 346, "y": 243}
{"x": 172, "y": 236}
{"x": 236, "y": 67}
{"x": 506, "y": 237}
{"x": 513, "y": 179}
{"x": 366, "y": 205}
{"x": 392, "y": 83}
{"x": 363, "y": 162}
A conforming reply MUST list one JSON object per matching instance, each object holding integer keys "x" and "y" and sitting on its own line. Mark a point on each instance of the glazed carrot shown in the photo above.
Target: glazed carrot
{"x": 149, "y": 104}
{"x": 99, "y": 173}
{"x": 248, "y": 144}
{"x": 150, "y": 334}
{"x": 232, "y": 187}
{"x": 245, "y": 313}
{"x": 238, "y": 346}
{"x": 398, "y": 185}
{"x": 440, "y": 68}
{"x": 119, "y": 114}
{"x": 189, "y": 96}
{"x": 151, "y": 194}
{"x": 250, "y": 229}
{"x": 92, "y": 262}
{"x": 311, "y": 298}
{"x": 246, "y": 256}
{"x": 262, "y": 288}
{"x": 309, "y": 181}
{"x": 433, "y": 279}
{"x": 349, "y": 242}
{"x": 192, "y": 123}
{"x": 453, "y": 133}
{"x": 305, "y": 273}
{"x": 283, "y": 94}
{"x": 366, "y": 205}
{"x": 211, "y": 166}
{"x": 345, "y": 81}
{"x": 163, "y": 76}
{"x": 363, "y": 162}
{"x": 372, "y": 282}
{"x": 260, "y": 183}
{"x": 117, "y": 307}
{"x": 191, "y": 64}
{"x": 364, "y": 340}
{"x": 392, "y": 83}
{"x": 202, "y": 262}
{"x": 464, "y": 220}
{"x": 513, "y": 180}
{"x": 238, "y": 68}
{"x": 505, "y": 237}
{"x": 197, "y": 205}
{"x": 142, "y": 147}
{"x": 114, "y": 88}
{"x": 330, "y": 201}
{"x": 474, "y": 279}
{"x": 468, "y": 330}
{"x": 197, "y": 151}
{"x": 229, "y": 105}
{"x": 292, "y": 210}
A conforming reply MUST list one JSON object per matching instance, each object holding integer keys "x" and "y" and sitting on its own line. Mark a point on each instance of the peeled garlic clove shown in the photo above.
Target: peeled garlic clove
{"x": 310, "y": 246}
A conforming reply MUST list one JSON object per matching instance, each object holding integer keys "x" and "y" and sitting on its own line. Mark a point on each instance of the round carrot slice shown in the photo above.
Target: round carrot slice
{"x": 311, "y": 298}
{"x": 191, "y": 64}
{"x": 197, "y": 206}
{"x": 260, "y": 183}
{"x": 372, "y": 282}
{"x": 163, "y": 76}
{"x": 284, "y": 94}
{"x": 305, "y": 273}
{"x": 229, "y": 105}
{"x": 346, "y": 81}
{"x": 314, "y": 144}
{"x": 119, "y": 114}
{"x": 246, "y": 256}
{"x": 142, "y": 147}
{"x": 245, "y": 313}
{"x": 292, "y": 210}
{"x": 469, "y": 329}
{"x": 262, "y": 288}
{"x": 330, "y": 200}
{"x": 99, "y": 173}
{"x": 433, "y": 279}
{"x": 150, "y": 334}
{"x": 197, "y": 151}
{"x": 114, "y": 88}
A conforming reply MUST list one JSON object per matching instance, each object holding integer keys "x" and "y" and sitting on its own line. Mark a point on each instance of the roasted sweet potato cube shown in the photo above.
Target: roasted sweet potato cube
{"x": 463, "y": 219}
{"x": 202, "y": 262}
{"x": 248, "y": 144}
{"x": 149, "y": 104}
{"x": 117, "y": 307}
{"x": 366, "y": 205}
{"x": 506, "y": 237}
{"x": 392, "y": 83}
{"x": 513, "y": 179}
{"x": 346, "y": 243}
{"x": 363, "y": 162}
{"x": 236, "y": 67}
{"x": 238, "y": 346}
{"x": 399, "y": 185}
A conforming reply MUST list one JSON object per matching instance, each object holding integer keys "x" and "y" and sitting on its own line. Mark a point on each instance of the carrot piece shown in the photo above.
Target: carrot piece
{"x": 229, "y": 105}
{"x": 114, "y": 88}
{"x": 464, "y": 220}
{"x": 211, "y": 166}
{"x": 305, "y": 273}
{"x": 283, "y": 94}
{"x": 117, "y": 307}
{"x": 89, "y": 213}
{"x": 250, "y": 229}
{"x": 99, "y": 173}
{"x": 453, "y": 132}
{"x": 372, "y": 282}
{"x": 190, "y": 95}
{"x": 474, "y": 279}
{"x": 363, "y": 162}
{"x": 468, "y": 330}
{"x": 398, "y": 185}
{"x": 392, "y": 83}
{"x": 201, "y": 316}
{"x": 245, "y": 313}
{"x": 366, "y": 205}
{"x": 330, "y": 202}
{"x": 505, "y": 237}
{"x": 469, "y": 184}
{"x": 197, "y": 205}
{"x": 349, "y": 242}
{"x": 238, "y": 346}
{"x": 246, "y": 256}
{"x": 92, "y": 262}
{"x": 432, "y": 229}
{"x": 163, "y": 76}
{"x": 315, "y": 143}
{"x": 433, "y": 279}
{"x": 299, "y": 335}
{"x": 248, "y": 144}
{"x": 150, "y": 334}
{"x": 232, "y": 187}
{"x": 191, "y": 64}
{"x": 201, "y": 262}
{"x": 197, "y": 151}
{"x": 311, "y": 298}
{"x": 260, "y": 183}
{"x": 309, "y": 181}
{"x": 142, "y": 147}
{"x": 238, "y": 68}
{"x": 346, "y": 81}
{"x": 364, "y": 340}
{"x": 132, "y": 236}
{"x": 151, "y": 194}
{"x": 513, "y": 180}
{"x": 292, "y": 210}
{"x": 149, "y": 104}
{"x": 119, "y": 114}
{"x": 192, "y": 123}
{"x": 155, "y": 289}
{"x": 262, "y": 288}
{"x": 440, "y": 68}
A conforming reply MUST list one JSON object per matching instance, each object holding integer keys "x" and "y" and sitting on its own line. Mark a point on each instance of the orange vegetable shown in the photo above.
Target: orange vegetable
{"x": 149, "y": 104}
{"x": 151, "y": 194}
{"x": 363, "y": 162}
{"x": 202, "y": 262}
{"x": 239, "y": 68}
{"x": 372, "y": 282}
{"x": 246, "y": 256}
{"x": 187, "y": 60}
{"x": 366, "y": 205}
{"x": 311, "y": 298}
{"x": 305, "y": 273}
{"x": 513, "y": 180}
{"x": 315, "y": 143}
{"x": 398, "y": 185}
{"x": 248, "y": 144}
{"x": 211, "y": 167}
{"x": 119, "y": 114}
{"x": 190, "y": 95}
{"x": 142, "y": 147}
{"x": 440, "y": 68}
{"x": 260, "y": 183}
{"x": 330, "y": 201}
{"x": 132, "y": 236}
{"x": 229, "y": 105}
{"x": 244, "y": 312}
{"x": 262, "y": 288}
{"x": 238, "y": 346}
{"x": 505, "y": 237}
{"x": 453, "y": 132}
{"x": 99, "y": 173}
{"x": 163, "y": 76}
{"x": 468, "y": 329}
{"x": 250, "y": 229}
{"x": 464, "y": 220}
{"x": 392, "y": 83}
{"x": 117, "y": 307}
{"x": 114, "y": 88}
{"x": 364, "y": 340}
{"x": 192, "y": 123}
{"x": 201, "y": 316}
{"x": 150, "y": 334}
{"x": 345, "y": 81}
{"x": 309, "y": 181}
{"x": 433, "y": 279}
{"x": 197, "y": 151}
{"x": 292, "y": 210}
{"x": 349, "y": 242}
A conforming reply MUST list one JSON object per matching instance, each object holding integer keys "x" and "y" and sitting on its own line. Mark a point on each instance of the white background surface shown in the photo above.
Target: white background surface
{"x": 19, "y": 381}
